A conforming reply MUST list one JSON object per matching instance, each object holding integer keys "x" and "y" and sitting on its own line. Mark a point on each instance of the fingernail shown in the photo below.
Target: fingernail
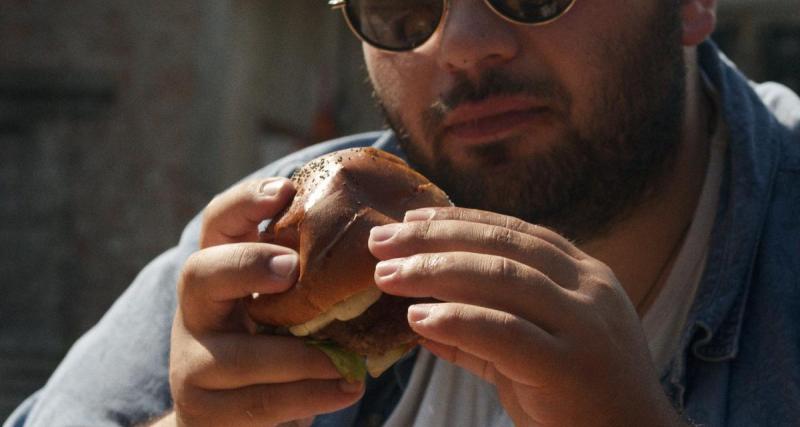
{"x": 350, "y": 387}
{"x": 271, "y": 188}
{"x": 386, "y": 269}
{"x": 384, "y": 232}
{"x": 283, "y": 265}
{"x": 419, "y": 312}
{"x": 424, "y": 214}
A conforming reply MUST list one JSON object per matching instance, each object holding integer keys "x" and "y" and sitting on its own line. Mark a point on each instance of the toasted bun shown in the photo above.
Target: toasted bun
{"x": 340, "y": 197}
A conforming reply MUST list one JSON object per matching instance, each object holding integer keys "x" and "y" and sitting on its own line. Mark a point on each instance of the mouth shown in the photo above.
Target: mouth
{"x": 493, "y": 119}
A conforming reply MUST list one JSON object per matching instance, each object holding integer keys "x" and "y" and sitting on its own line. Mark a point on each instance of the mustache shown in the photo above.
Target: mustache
{"x": 493, "y": 83}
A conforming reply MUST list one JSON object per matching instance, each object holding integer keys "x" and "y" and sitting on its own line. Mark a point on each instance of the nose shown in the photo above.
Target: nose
{"x": 474, "y": 38}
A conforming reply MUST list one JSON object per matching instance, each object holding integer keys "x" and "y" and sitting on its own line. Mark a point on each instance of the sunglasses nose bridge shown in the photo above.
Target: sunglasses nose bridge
{"x": 472, "y": 38}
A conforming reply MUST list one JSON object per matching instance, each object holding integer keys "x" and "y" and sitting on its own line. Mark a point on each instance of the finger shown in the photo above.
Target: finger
{"x": 491, "y": 218}
{"x": 481, "y": 368}
{"x": 268, "y": 404}
{"x": 481, "y": 280}
{"x": 510, "y": 395}
{"x": 229, "y": 361}
{"x": 484, "y": 370}
{"x": 406, "y": 239}
{"x": 234, "y": 215}
{"x": 517, "y": 348}
{"x": 214, "y": 279}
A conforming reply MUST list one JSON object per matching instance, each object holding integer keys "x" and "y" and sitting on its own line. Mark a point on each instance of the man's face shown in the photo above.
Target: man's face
{"x": 568, "y": 125}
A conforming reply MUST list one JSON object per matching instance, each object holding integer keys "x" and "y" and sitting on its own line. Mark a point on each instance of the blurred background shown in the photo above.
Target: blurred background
{"x": 119, "y": 120}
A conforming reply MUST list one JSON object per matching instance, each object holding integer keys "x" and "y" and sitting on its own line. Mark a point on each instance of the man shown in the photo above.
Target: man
{"x": 624, "y": 251}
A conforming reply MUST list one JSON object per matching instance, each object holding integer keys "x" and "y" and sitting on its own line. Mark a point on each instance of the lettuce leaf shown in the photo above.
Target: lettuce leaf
{"x": 352, "y": 366}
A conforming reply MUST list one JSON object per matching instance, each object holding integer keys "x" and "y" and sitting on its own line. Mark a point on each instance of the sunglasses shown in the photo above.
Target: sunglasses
{"x": 402, "y": 25}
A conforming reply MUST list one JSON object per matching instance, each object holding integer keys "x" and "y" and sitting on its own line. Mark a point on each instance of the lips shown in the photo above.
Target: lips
{"x": 492, "y": 119}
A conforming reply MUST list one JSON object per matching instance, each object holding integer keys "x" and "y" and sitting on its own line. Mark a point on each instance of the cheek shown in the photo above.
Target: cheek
{"x": 590, "y": 74}
{"x": 587, "y": 48}
{"x": 389, "y": 75}
{"x": 403, "y": 84}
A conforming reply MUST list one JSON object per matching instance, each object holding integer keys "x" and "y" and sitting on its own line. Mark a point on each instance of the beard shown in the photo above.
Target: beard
{"x": 598, "y": 174}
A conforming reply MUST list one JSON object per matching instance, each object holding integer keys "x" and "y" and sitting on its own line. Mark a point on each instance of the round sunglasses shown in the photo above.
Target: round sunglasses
{"x": 403, "y": 25}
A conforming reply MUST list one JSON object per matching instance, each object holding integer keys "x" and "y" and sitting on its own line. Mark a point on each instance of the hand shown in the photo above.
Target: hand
{"x": 219, "y": 373}
{"x": 527, "y": 311}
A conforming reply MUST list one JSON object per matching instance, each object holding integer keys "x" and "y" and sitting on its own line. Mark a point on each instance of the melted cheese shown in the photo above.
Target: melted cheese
{"x": 377, "y": 364}
{"x": 343, "y": 311}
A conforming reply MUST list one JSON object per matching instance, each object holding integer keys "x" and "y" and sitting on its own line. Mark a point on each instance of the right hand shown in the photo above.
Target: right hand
{"x": 220, "y": 374}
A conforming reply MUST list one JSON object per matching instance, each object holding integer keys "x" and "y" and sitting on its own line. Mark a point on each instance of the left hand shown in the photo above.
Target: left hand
{"x": 527, "y": 311}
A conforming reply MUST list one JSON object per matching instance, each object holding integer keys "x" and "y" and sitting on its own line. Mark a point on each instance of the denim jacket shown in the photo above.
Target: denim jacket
{"x": 739, "y": 363}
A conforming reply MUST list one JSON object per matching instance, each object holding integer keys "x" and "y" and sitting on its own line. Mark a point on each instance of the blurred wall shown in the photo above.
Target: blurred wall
{"x": 119, "y": 120}
{"x": 763, "y": 38}
{"x": 101, "y": 118}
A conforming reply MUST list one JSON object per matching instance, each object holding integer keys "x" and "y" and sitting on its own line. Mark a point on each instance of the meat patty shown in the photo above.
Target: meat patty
{"x": 371, "y": 333}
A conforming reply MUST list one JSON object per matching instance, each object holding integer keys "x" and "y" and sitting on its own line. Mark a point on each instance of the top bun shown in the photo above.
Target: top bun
{"x": 340, "y": 197}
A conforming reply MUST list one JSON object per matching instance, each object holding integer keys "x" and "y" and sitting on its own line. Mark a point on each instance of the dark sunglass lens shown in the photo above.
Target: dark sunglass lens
{"x": 531, "y": 11}
{"x": 395, "y": 24}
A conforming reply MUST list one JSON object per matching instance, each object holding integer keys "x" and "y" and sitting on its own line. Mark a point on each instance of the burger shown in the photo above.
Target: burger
{"x": 335, "y": 304}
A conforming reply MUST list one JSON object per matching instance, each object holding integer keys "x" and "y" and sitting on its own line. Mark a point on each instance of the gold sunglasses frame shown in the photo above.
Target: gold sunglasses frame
{"x": 342, "y": 5}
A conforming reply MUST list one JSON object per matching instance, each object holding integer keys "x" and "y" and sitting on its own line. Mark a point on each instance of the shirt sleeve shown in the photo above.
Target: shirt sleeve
{"x": 116, "y": 373}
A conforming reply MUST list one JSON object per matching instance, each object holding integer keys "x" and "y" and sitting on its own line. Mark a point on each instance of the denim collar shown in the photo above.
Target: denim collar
{"x": 716, "y": 317}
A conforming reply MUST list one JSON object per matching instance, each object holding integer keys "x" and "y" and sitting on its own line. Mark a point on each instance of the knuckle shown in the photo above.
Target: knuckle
{"x": 249, "y": 260}
{"x": 603, "y": 283}
{"x": 609, "y": 295}
{"x": 596, "y": 266}
{"x": 448, "y": 316}
{"x": 234, "y": 360}
{"x": 177, "y": 382}
{"x": 213, "y": 202}
{"x": 501, "y": 267}
{"x": 429, "y": 265}
{"x": 488, "y": 372}
{"x": 262, "y": 405}
{"x": 423, "y": 230}
{"x": 501, "y": 236}
{"x": 456, "y": 356}
{"x": 211, "y": 209}
{"x": 509, "y": 324}
{"x": 191, "y": 365}
{"x": 516, "y": 224}
{"x": 254, "y": 187}
{"x": 255, "y": 403}
{"x": 189, "y": 273}
{"x": 450, "y": 354}
{"x": 244, "y": 257}
{"x": 188, "y": 403}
